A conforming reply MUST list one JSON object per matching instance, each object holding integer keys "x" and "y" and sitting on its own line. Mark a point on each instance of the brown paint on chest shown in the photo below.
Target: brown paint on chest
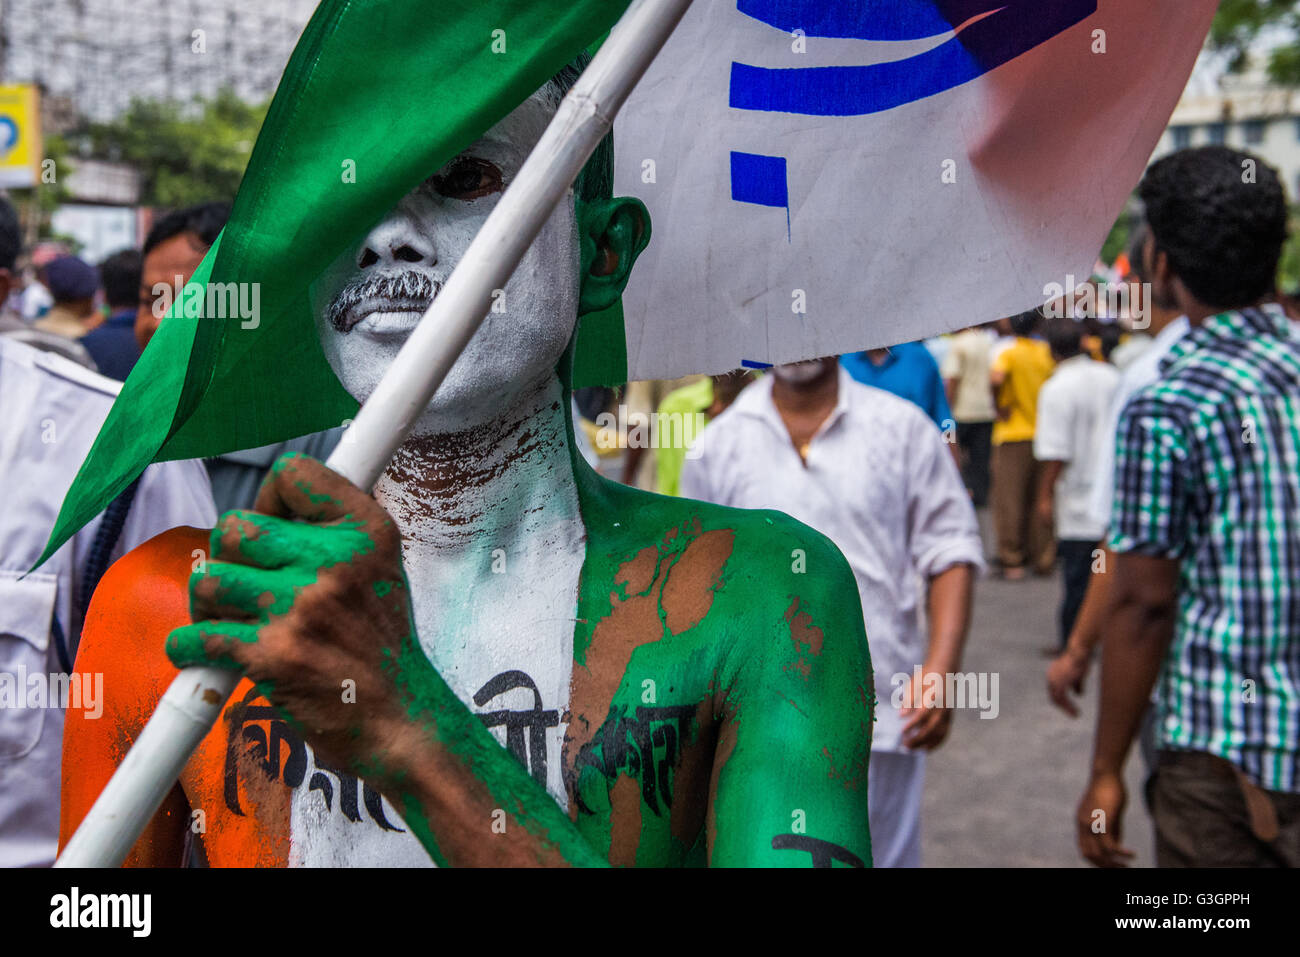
{"x": 853, "y": 772}
{"x": 688, "y": 593}
{"x": 625, "y": 821}
{"x": 802, "y": 631}
{"x": 691, "y": 778}
{"x": 726, "y": 746}
{"x": 680, "y": 587}
{"x": 805, "y": 635}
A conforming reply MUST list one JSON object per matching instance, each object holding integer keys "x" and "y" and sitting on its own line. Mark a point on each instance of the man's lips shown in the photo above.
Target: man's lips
{"x": 382, "y": 306}
{"x": 386, "y": 303}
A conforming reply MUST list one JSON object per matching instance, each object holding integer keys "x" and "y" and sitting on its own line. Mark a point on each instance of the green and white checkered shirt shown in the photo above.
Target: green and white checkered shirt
{"x": 1207, "y": 472}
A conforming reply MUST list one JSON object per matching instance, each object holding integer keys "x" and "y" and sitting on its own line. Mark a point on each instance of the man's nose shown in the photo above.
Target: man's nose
{"x": 398, "y": 239}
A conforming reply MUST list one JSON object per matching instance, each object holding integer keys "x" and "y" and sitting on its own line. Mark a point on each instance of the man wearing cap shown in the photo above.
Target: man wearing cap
{"x": 73, "y": 283}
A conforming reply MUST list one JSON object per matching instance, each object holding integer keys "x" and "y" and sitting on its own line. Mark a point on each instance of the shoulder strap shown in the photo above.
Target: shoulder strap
{"x": 97, "y": 562}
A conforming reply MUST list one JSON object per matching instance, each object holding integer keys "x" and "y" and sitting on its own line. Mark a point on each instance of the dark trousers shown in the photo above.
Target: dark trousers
{"x": 1076, "y": 570}
{"x": 974, "y": 439}
{"x": 1203, "y": 818}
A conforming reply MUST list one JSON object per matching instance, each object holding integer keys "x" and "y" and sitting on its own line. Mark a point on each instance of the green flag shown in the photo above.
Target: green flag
{"x": 377, "y": 95}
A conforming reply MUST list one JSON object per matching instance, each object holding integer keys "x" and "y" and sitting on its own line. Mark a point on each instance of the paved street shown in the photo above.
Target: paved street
{"x": 1002, "y": 792}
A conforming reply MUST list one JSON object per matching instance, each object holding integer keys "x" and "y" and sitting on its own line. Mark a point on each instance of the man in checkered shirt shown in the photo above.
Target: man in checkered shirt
{"x": 1206, "y": 533}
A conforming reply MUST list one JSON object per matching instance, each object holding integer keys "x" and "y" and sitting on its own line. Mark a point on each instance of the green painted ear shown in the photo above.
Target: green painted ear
{"x": 612, "y": 234}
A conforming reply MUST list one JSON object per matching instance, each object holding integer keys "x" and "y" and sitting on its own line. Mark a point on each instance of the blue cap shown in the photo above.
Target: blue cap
{"x": 70, "y": 278}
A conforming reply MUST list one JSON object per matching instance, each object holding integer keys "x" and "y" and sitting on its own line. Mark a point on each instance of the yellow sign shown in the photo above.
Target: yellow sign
{"x": 20, "y": 136}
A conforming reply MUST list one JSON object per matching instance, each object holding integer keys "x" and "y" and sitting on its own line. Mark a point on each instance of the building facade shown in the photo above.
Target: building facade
{"x": 1245, "y": 112}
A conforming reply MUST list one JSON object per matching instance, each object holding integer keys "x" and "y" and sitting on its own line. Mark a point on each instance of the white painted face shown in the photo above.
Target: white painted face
{"x": 370, "y": 298}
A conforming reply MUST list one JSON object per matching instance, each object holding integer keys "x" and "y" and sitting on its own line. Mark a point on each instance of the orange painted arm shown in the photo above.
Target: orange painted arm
{"x": 141, "y": 598}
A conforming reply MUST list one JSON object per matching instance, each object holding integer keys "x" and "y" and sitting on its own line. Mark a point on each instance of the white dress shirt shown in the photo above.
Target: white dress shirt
{"x": 880, "y": 482}
{"x": 1072, "y": 407}
{"x": 1139, "y": 373}
{"x": 53, "y": 409}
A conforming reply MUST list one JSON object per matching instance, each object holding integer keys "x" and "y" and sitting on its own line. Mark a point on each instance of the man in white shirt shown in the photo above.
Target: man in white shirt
{"x": 1066, "y": 673}
{"x": 870, "y": 471}
{"x": 1071, "y": 407}
{"x": 965, "y": 370}
{"x": 53, "y": 409}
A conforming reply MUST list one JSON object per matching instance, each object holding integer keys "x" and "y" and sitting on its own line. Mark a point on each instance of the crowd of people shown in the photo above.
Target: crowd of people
{"x": 1151, "y": 457}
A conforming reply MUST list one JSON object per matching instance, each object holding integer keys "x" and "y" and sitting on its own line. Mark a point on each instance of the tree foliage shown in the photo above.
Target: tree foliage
{"x": 185, "y": 153}
{"x": 1240, "y": 23}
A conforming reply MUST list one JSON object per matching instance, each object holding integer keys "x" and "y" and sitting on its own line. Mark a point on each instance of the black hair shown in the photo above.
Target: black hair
{"x": 1220, "y": 215}
{"x": 1136, "y": 245}
{"x": 205, "y": 220}
{"x": 119, "y": 274}
{"x": 596, "y": 181}
{"x": 1110, "y": 336}
{"x": 1065, "y": 338}
{"x": 1025, "y": 324}
{"x": 11, "y": 235}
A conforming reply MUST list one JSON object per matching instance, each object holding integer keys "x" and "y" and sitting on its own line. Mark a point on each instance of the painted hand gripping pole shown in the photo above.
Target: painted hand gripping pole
{"x": 195, "y": 700}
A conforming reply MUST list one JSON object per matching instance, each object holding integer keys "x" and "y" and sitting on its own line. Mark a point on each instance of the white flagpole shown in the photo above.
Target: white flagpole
{"x": 194, "y": 701}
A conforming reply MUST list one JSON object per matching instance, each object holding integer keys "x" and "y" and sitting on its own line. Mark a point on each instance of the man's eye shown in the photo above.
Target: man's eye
{"x": 468, "y": 178}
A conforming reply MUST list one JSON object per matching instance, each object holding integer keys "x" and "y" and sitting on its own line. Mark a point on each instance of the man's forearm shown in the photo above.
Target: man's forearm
{"x": 1131, "y": 658}
{"x": 1097, "y": 608}
{"x": 949, "y": 605}
{"x": 1047, "y": 476}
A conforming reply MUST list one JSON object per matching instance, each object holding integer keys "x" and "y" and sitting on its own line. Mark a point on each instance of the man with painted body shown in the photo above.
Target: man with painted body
{"x": 674, "y": 688}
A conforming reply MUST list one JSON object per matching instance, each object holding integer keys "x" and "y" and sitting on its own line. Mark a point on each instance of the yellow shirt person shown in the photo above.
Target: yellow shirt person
{"x": 1017, "y": 374}
{"x": 1019, "y": 371}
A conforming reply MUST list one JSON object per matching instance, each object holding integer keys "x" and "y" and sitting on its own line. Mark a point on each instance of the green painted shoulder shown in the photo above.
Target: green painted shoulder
{"x": 745, "y": 575}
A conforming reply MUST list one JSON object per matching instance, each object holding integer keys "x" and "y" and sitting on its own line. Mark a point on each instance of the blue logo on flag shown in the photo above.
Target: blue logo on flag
{"x": 1002, "y": 30}
{"x": 1008, "y": 29}
{"x": 758, "y": 179}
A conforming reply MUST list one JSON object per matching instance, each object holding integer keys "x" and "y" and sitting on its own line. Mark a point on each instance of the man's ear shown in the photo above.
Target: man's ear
{"x": 612, "y": 234}
{"x": 1155, "y": 262}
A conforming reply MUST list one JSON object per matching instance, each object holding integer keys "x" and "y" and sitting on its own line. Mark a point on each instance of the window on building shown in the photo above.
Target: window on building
{"x": 1182, "y": 136}
{"x": 1218, "y": 133}
{"x": 1253, "y": 131}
